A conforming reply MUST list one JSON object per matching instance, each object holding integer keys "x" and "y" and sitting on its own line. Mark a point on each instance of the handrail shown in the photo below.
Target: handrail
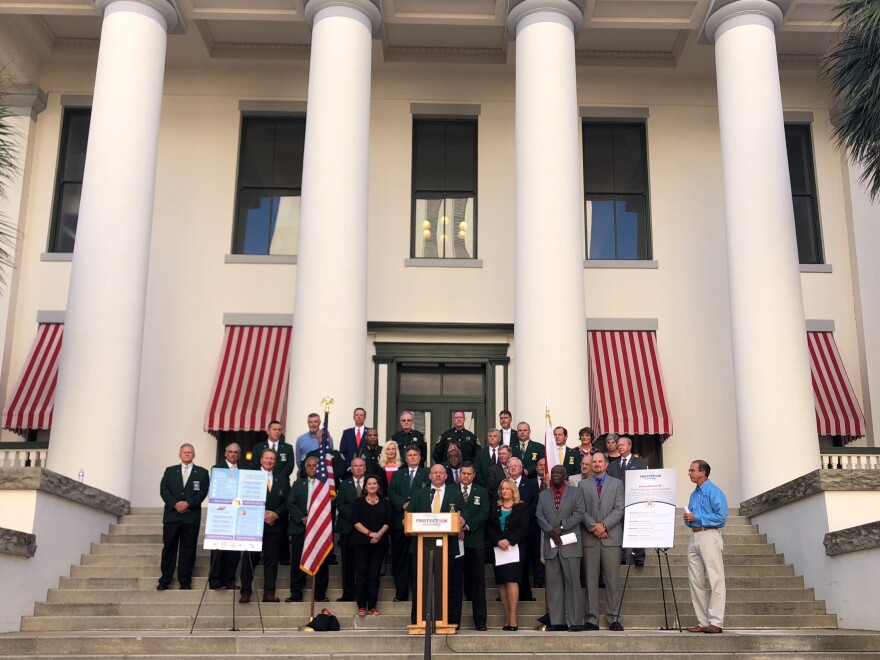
{"x": 849, "y": 458}
{"x": 23, "y": 454}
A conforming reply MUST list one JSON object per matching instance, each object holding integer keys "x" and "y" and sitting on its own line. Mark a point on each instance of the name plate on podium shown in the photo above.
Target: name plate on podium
{"x": 431, "y": 523}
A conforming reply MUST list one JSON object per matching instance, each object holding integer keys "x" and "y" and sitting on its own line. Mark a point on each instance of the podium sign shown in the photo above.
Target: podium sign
{"x": 649, "y": 513}
{"x": 432, "y": 530}
{"x": 236, "y": 507}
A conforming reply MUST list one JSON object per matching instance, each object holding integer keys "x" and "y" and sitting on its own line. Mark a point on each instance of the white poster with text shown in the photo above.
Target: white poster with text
{"x": 649, "y": 519}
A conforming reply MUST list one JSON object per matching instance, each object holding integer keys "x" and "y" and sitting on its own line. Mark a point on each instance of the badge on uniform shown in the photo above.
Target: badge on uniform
{"x": 283, "y": 458}
{"x": 477, "y": 500}
{"x": 196, "y": 485}
{"x": 534, "y": 456}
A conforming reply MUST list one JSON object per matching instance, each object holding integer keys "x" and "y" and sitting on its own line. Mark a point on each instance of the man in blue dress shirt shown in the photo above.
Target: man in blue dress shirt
{"x": 706, "y": 515}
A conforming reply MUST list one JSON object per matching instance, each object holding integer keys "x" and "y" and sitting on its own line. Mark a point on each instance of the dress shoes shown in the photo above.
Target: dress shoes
{"x": 712, "y": 630}
{"x": 231, "y": 586}
{"x": 271, "y": 598}
{"x": 510, "y": 628}
{"x": 557, "y": 627}
{"x": 398, "y": 600}
{"x": 322, "y": 600}
{"x": 590, "y": 626}
{"x": 218, "y": 587}
{"x": 696, "y": 629}
{"x": 544, "y": 620}
{"x": 293, "y": 599}
{"x": 616, "y": 627}
{"x": 346, "y": 599}
{"x": 481, "y": 628}
{"x": 161, "y": 587}
{"x": 244, "y": 598}
{"x": 575, "y": 628}
{"x": 639, "y": 564}
{"x": 186, "y": 587}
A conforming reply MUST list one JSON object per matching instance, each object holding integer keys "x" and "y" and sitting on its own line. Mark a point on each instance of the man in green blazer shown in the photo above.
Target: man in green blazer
{"x": 526, "y": 449}
{"x": 567, "y": 457}
{"x": 274, "y": 532}
{"x": 422, "y": 501}
{"x": 347, "y": 492}
{"x": 403, "y": 484}
{"x": 183, "y": 487}
{"x": 487, "y": 457}
{"x": 285, "y": 463}
{"x": 471, "y": 567}
{"x": 298, "y": 505}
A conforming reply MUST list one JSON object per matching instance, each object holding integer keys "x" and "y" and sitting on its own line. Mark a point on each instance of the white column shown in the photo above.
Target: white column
{"x": 25, "y": 103}
{"x": 329, "y": 345}
{"x": 550, "y": 348}
{"x": 96, "y": 398}
{"x": 774, "y": 398}
{"x": 865, "y": 246}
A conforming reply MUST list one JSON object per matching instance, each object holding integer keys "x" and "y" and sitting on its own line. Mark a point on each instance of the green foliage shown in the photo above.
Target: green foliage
{"x": 853, "y": 70}
{"x": 8, "y": 171}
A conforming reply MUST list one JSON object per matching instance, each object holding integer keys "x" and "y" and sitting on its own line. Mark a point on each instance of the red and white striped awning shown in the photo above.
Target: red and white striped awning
{"x": 837, "y": 410}
{"x": 626, "y": 385}
{"x": 32, "y": 400}
{"x": 250, "y": 389}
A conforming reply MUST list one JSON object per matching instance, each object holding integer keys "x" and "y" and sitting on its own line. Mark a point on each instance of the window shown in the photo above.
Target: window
{"x": 799, "y": 144}
{"x": 69, "y": 178}
{"x": 269, "y": 185}
{"x": 444, "y": 189}
{"x": 616, "y": 191}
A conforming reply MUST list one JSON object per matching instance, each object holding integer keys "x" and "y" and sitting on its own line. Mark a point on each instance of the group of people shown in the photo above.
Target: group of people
{"x": 563, "y": 529}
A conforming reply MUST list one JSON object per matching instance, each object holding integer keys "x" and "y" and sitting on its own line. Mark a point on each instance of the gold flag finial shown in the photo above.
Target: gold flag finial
{"x": 327, "y": 401}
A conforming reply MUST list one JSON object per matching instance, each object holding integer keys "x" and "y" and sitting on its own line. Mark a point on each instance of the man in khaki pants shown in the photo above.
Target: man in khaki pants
{"x": 705, "y": 515}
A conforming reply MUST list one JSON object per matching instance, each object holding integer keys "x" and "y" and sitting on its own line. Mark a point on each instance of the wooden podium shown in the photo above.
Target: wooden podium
{"x": 432, "y": 529}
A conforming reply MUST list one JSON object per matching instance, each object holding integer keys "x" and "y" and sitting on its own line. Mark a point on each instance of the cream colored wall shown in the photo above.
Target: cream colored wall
{"x": 190, "y": 286}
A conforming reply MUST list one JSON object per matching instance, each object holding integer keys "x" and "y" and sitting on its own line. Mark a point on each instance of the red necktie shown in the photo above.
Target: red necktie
{"x": 358, "y": 435}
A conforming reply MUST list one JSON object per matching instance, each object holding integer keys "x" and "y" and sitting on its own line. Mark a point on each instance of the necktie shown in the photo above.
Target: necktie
{"x": 455, "y": 475}
{"x": 464, "y": 491}
{"x": 435, "y": 505}
{"x": 561, "y": 452}
{"x": 185, "y": 474}
{"x": 622, "y": 463}
{"x": 269, "y": 483}
{"x": 358, "y": 487}
{"x": 599, "y": 487}
{"x": 494, "y": 459}
{"x": 412, "y": 476}
{"x": 358, "y": 434}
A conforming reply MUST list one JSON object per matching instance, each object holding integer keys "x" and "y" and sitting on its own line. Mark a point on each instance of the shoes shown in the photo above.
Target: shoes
{"x": 186, "y": 587}
{"x": 374, "y": 612}
{"x": 231, "y": 586}
{"x": 712, "y": 630}
{"x": 623, "y": 562}
{"x": 271, "y": 598}
{"x": 575, "y": 628}
{"x": 219, "y": 587}
{"x": 498, "y": 599}
{"x": 557, "y": 627}
{"x": 161, "y": 587}
{"x": 696, "y": 629}
{"x": 616, "y": 627}
{"x": 244, "y": 598}
{"x": 346, "y": 599}
{"x": 639, "y": 564}
{"x": 324, "y": 600}
{"x": 544, "y": 620}
{"x": 398, "y": 600}
{"x": 590, "y": 626}
{"x": 510, "y": 628}
{"x": 293, "y": 599}
{"x": 481, "y": 628}
{"x": 362, "y": 611}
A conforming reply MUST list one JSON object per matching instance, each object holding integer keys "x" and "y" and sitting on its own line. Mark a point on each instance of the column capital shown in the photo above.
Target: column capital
{"x": 174, "y": 23}
{"x": 744, "y": 12}
{"x": 519, "y": 9}
{"x": 369, "y": 8}
{"x": 24, "y": 100}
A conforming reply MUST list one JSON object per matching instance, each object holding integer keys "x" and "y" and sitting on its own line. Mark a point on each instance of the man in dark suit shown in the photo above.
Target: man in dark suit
{"x": 618, "y": 470}
{"x": 453, "y": 464}
{"x": 528, "y": 494}
{"x": 404, "y": 483}
{"x": 347, "y": 492}
{"x": 526, "y": 449}
{"x": 370, "y": 451}
{"x": 224, "y": 563}
{"x": 458, "y": 433}
{"x": 284, "y": 451}
{"x": 407, "y": 436}
{"x": 561, "y": 512}
{"x": 425, "y": 500}
{"x": 487, "y": 457}
{"x": 498, "y": 472}
{"x": 352, "y": 438}
{"x": 602, "y": 537}
{"x": 505, "y": 430}
{"x": 471, "y": 568}
{"x": 183, "y": 487}
{"x": 274, "y": 531}
{"x": 299, "y": 504}
{"x": 567, "y": 457}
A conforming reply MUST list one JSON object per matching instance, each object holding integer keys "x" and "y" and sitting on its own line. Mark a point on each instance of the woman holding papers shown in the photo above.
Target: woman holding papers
{"x": 371, "y": 518}
{"x": 508, "y": 526}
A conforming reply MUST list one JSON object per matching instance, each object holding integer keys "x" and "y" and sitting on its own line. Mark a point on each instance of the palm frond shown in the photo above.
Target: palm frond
{"x": 852, "y": 69}
{"x": 8, "y": 171}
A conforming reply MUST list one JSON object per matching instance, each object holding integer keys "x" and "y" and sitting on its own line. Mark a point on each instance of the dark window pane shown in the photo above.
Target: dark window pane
{"x": 67, "y": 217}
{"x": 268, "y": 222}
{"x": 429, "y": 158}
{"x": 462, "y": 384}
{"x": 600, "y": 229}
{"x": 806, "y": 226}
{"x": 461, "y": 161}
{"x": 421, "y": 384}
{"x": 257, "y": 152}
{"x": 598, "y": 159}
{"x": 290, "y": 138}
{"x": 631, "y": 221}
{"x": 629, "y": 161}
{"x": 77, "y": 139}
{"x": 800, "y": 159}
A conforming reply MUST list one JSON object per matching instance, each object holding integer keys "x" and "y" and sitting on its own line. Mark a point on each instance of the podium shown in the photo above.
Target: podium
{"x": 432, "y": 530}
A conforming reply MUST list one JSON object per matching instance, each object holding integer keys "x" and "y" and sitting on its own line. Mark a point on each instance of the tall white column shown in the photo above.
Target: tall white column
{"x": 550, "y": 349}
{"x": 774, "y": 397}
{"x": 96, "y": 399}
{"x": 329, "y": 345}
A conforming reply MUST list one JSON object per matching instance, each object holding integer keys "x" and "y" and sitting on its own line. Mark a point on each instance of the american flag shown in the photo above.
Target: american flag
{"x": 319, "y": 527}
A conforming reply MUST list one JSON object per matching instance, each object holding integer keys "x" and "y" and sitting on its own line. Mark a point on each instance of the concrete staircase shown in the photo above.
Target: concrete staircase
{"x": 109, "y": 607}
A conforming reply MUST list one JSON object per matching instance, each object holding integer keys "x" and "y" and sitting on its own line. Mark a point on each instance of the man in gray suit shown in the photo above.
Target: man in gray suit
{"x": 561, "y": 511}
{"x": 602, "y": 537}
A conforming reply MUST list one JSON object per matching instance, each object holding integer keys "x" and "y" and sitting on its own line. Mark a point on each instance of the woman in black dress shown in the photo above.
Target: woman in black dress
{"x": 508, "y": 526}
{"x": 371, "y": 518}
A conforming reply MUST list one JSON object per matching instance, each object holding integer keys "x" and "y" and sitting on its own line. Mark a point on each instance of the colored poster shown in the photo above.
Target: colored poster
{"x": 236, "y": 506}
{"x": 649, "y": 513}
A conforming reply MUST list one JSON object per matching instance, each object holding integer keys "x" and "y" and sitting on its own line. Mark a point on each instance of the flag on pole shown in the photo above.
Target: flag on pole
{"x": 319, "y": 526}
{"x": 551, "y": 455}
